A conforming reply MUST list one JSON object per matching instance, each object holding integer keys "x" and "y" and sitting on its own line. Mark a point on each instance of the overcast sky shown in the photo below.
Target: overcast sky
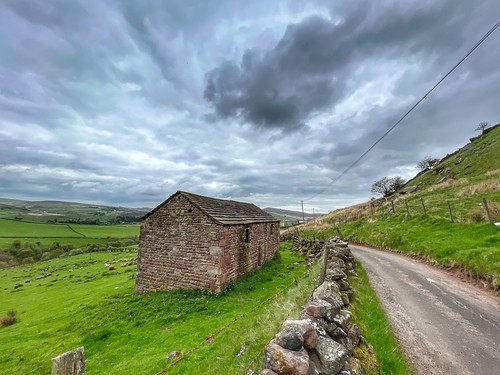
{"x": 125, "y": 102}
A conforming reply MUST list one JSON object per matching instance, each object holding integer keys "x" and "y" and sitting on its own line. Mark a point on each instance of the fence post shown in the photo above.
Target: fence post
{"x": 449, "y": 210}
{"x": 340, "y": 234}
{"x": 393, "y": 209}
{"x": 69, "y": 363}
{"x": 423, "y": 205}
{"x": 406, "y": 205}
{"x": 325, "y": 263}
{"x": 371, "y": 207}
{"x": 486, "y": 208}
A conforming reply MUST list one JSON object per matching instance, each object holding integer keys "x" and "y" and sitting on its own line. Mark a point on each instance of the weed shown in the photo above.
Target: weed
{"x": 8, "y": 319}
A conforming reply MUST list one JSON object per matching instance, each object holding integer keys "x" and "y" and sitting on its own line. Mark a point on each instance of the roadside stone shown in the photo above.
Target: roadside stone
{"x": 289, "y": 339}
{"x": 332, "y": 355}
{"x": 324, "y": 291}
{"x": 345, "y": 298}
{"x": 312, "y": 369}
{"x": 343, "y": 285}
{"x": 343, "y": 319}
{"x": 305, "y": 329}
{"x": 338, "y": 334}
{"x": 284, "y": 361}
{"x": 336, "y": 302}
{"x": 354, "y": 334}
{"x": 317, "y": 308}
{"x": 335, "y": 274}
{"x": 268, "y": 372}
{"x": 347, "y": 344}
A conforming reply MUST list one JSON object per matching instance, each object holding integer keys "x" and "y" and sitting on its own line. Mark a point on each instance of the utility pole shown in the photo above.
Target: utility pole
{"x": 303, "y": 217}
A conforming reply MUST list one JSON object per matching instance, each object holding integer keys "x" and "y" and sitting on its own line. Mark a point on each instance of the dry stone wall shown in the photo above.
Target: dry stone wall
{"x": 322, "y": 340}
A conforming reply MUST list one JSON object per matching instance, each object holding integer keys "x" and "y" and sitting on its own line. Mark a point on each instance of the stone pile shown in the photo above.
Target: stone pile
{"x": 311, "y": 248}
{"x": 322, "y": 340}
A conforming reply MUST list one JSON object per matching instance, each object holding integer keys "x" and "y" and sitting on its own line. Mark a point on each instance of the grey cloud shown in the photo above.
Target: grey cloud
{"x": 308, "y": 69}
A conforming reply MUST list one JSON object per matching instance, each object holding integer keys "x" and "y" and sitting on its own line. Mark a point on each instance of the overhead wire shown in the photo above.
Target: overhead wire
{"x": 352, "y": 165}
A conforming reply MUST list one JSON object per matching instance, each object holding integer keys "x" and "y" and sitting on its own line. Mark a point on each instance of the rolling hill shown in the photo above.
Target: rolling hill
{"x": 448, "y": 218}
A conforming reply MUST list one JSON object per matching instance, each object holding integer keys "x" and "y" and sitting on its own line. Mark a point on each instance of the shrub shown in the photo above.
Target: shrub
{"x": 477, "y": 215}
{"x": 8, "y": 319}
{"x": 28, "y": 260}
{"x": 494, "y": 210}
{"x": 75, "y": 252}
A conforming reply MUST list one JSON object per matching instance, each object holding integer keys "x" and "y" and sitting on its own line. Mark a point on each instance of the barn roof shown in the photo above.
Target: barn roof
{"x": 224, "y": 211}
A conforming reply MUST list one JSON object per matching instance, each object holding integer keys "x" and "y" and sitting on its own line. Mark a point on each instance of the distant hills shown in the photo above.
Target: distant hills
{"x": 290, "y": 213}
{"x": 52, "y": 211}
{"x": 49, "y": 211}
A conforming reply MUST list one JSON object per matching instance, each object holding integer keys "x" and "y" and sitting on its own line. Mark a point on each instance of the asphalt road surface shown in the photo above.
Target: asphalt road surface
{"x": 444, "y": 325}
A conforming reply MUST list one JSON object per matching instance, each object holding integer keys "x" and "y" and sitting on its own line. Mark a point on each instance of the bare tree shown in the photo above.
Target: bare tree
{"x": 386, "y": 186}
{"x": 397, "y": 183}
{"x": 427, "y": 163}
{"x": 481, "y": 126}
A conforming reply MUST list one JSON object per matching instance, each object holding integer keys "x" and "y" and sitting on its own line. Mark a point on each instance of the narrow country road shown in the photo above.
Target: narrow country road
{"x": 444, "y": 325}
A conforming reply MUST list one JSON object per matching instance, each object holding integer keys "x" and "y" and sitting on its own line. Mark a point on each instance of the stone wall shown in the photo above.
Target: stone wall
{"x": 322, "y": 340}
{"x": 181, "y": 247}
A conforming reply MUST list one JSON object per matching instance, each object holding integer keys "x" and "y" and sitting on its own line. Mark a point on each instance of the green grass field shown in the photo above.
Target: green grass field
{"x": 68, "y": 302}
{"x": 20, "y": 229}
{"x": 65, "y": 234}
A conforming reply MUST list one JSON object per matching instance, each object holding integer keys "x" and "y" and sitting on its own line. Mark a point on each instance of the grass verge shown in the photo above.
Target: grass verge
{"x": 473, "y": 248}
{"x": 370, "y": 317}
{"x": 65, "y": 303}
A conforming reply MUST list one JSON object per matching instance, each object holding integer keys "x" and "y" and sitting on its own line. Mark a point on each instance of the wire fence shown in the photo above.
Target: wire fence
{"x": 227, "y": 326}
{"x": 462, "y": 209}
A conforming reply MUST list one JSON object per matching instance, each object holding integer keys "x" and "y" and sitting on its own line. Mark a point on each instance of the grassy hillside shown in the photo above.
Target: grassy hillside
{"x": 64, "y": 303}
{"x": 444, "y": 220}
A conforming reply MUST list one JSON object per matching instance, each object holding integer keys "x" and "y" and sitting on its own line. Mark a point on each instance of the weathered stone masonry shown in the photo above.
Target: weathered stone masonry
{"x": 190, "y": 241}
{"x": 322, "y": 341}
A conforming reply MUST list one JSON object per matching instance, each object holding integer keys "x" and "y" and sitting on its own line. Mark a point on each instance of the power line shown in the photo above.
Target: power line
{"x": 485, "y": 36}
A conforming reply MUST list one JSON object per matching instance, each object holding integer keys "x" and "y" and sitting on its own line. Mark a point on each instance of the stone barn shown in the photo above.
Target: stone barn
{"x": 191, "y": 241}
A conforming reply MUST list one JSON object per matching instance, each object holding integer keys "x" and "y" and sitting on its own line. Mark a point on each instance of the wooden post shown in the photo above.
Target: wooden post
{"x": 372, "y": 208}
{"x": 406, "y": 205}
{"x": 314, "y": 216}
{"x": 486, "y": 208}
{"x": 423, "y": 205}
{"x": 303, "y": 217}
{"x": 325, "y": 263}
{"x": 393, "y": 209}
{"x": 449, "y": 210}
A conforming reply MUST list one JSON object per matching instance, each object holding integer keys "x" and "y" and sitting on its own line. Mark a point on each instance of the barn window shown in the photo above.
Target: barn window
{"x": 272, "y": 228}
{"x": 247, "y": 234}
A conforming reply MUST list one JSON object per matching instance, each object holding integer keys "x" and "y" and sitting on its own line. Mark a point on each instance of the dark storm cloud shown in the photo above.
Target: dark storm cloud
{"x": 309, "y": 68}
